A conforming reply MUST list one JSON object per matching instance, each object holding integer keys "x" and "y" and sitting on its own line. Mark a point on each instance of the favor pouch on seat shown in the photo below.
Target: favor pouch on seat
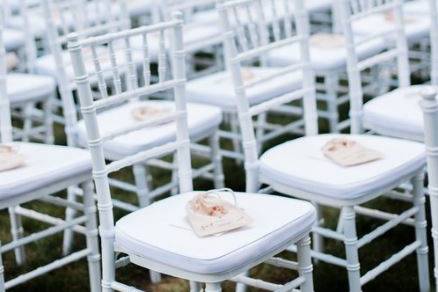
{"x": 10, "y": 158}
{"x": 347, "y": 153}
{"x": 209, "y": 214}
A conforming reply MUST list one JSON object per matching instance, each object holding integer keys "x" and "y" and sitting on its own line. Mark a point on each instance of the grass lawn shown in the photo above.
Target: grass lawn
{"x": 402, "y": 277}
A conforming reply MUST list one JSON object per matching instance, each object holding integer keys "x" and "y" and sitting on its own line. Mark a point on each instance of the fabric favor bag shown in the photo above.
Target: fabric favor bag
{"x": 10, "y": 158}
{"x": 150, "y": 112}
{"x": 209, "y": 214}
{"x": 327, "y": 41}
{"x": 348, "y": 153}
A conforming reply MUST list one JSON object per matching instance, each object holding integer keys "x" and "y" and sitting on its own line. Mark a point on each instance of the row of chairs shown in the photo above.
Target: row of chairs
{"x": 108, "y": 70}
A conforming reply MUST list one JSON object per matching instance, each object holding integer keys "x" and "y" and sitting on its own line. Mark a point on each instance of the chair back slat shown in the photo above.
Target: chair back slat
{"x": 352, "y": 11}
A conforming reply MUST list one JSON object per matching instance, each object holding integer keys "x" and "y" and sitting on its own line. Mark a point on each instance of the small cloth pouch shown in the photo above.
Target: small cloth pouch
{"x": 327, "y": 41}
{"x": 11, "y": 61}
{"x": 10, "y": 158}
{"x": 347, "y": 153}
{"x": 150, "y": 112}
{"x": 209, "y": 214}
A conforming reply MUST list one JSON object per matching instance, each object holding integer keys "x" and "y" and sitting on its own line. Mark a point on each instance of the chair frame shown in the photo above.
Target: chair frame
{"x": 141, "y": 187}
{"x": 44, "y": 194}
{"x": 181, "y": 145}
{"x": 347, "y": 233}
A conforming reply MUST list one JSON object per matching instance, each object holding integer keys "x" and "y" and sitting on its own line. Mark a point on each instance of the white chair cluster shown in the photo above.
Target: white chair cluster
{"x": 147, "y": 85}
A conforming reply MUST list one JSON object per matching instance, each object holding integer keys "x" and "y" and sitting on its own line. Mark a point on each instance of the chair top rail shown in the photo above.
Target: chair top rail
{"x": 98, "y": 40}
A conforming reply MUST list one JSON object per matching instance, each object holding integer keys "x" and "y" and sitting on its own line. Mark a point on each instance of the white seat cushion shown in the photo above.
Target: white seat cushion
{"x": 27, "y": 87}
{"x": 217, "y": 89}
{"x": 13, "y": 39}
{"x": 168, "y": 239}
{"x": 301, "y": 165}
{"x": 417, "y": 26}
{"x": 44, "y": 165}
{"x": 397, "y": 113}
{"x": 202, "y": 120}
{"x": 322, "y": 59}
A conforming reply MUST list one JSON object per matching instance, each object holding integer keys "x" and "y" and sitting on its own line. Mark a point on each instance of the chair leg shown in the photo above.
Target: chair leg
{"x": 69, "y": 215}
{"x": 17, "y": 233}
{"x": 305, "y": 267}
{"x": 141, "y": 183}
{"x": 2, "y": 274}
{"x": 234, "y": 124}
{"x": 213, "y": 287}
{"x": 318, "y": 240}
{"x": 140, "y": 176}
{"x": 260, "y": 130}
{"x": 92, "y": 240}
{"x": 351, "y": 248}
{"x": 421, "y": 233}
{"x": 195, "y": 286}
{"x": 433, "y": 196}
{"x": 28, "y": 123}
{"x": 48, "y": 121}
{"x": 216, "y": 160}
{"x": 331, "y": 83}
{"x": 174, "y": 179}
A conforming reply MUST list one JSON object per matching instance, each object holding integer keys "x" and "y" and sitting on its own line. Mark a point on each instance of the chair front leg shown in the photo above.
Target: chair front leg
{"x": 2, "y": 273}
{"x": 351, "y": 248}
{"x": 216, "y": 159}
{"x": 305, "y": 267}
{"x": 421, "y": 233}
{"x": 92, "y": 234}
{"x": 213, "y": 287}
{"x": 17, "y": 232}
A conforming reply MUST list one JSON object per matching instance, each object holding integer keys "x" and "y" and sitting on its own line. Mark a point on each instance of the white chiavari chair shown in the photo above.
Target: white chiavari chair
{"x": 203, "y": 120}
{"x": 397, "y": 112}
{"x": 46, "y": 170}
{"x": 199, "y": 90}
{"x": 299, "y": 168}
{"x": 328, "y": 55}
{"x": 147, "y": 237}
{"x": 430, "y": 111}
{"x": 26, "y": 91}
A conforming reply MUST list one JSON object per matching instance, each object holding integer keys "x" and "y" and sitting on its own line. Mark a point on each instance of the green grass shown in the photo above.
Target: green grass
{"x": 402, "y": 277}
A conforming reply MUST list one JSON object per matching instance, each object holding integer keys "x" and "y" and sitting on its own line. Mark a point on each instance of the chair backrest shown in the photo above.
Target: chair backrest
{"x": 5, "y": 111}
{"x": 247, "y": 40}
{"x": 85, "y": 18}
{"x": 433, "y": 5}
{"x": 351, "y": 11}
{"x": 174, "y": 82}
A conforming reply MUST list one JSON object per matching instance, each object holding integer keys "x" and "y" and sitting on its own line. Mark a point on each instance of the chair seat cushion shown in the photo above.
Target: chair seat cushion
{"x": 397, "y": 113}
{"x": 217, "y": 89}
{"x": 44, "y": 165}
{"x": 165, "y": 237}
{"x": 27, "y": 87}
{"x": 301, "y": 165}
{"x": 202, "y": 120}
{"x": 323, "y": 59}
{"x": 13, "y": 39}
{"x": 417, "y": 26}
